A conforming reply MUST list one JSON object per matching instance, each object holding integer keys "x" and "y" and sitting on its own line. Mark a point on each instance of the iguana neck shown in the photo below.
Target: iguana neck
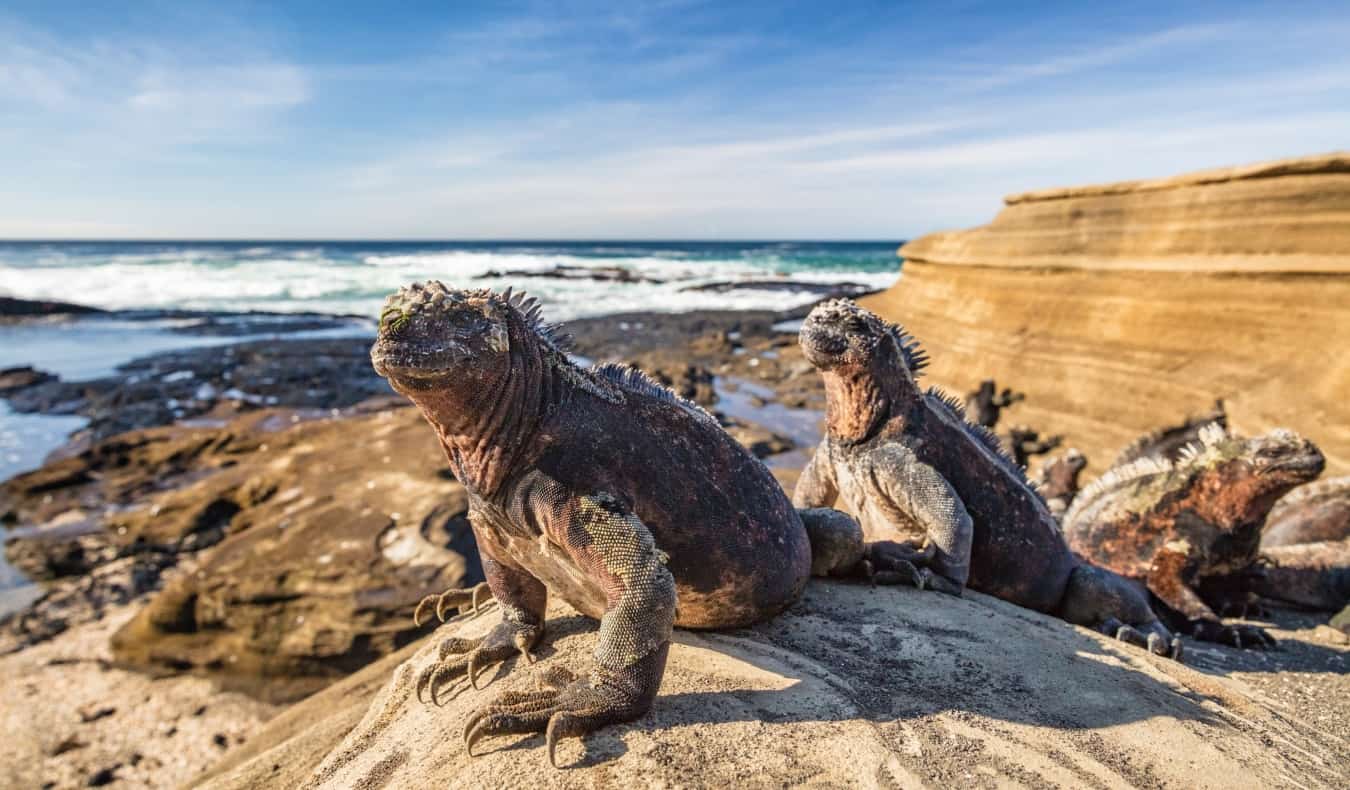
{"x": 858, "y": 402}
{"x": 486, "y": 427}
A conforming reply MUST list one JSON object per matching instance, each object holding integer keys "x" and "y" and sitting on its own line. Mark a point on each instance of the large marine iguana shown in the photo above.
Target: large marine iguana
{"x": 599, "y": 486}
{"x": 909, "y": 465}
{"x": 1174, "y": 524}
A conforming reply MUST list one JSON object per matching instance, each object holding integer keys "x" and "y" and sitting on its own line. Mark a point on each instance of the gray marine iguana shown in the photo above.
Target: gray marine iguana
{"x": 910, "y": 466}
{"x": 1311, "y": 513}
{"x": 1178, "y": 525}
{"x": 598, "y": 486}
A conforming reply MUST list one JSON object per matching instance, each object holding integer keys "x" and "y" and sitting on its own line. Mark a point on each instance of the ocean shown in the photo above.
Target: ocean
{"x": 354, "y": 277}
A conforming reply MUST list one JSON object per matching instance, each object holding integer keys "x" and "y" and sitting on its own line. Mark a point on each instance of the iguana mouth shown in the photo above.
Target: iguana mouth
{"x": 405, "y": 361}
{"x": 1304, "y": 465}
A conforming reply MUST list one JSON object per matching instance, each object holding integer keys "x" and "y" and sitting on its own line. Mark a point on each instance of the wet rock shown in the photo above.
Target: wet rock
{"x": 619, "y": 274}
{"x": 16, "y": 309}
{"x": 13, "y": 379}
{"x": 823, "y": 290}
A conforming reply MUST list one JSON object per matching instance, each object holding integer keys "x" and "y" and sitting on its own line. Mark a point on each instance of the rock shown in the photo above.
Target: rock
{"x": 1112, "y": 305}
{"x": 1341, "y": 621}
{"x": 759, "y": 440}
{"x": 15, "y": 309}
{"x": 853, "y": 686}
{"x": 618, "y": 274}
{"x": 13, "y": 379}
{"x": 822, "y": 290}
{"x": 327, "y": 541}
{"x": 298, "y": 545}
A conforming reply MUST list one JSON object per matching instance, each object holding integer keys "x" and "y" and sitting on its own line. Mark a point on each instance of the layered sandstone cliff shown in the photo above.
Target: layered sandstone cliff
{"x": 1121, "y": 307}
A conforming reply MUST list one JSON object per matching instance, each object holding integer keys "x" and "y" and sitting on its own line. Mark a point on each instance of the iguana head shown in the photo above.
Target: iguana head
{"x": 1236, "y": 480}
{"x": 430, "y": 333}
{"x": 868, "y": 365}
{"x": 1278, "y": 460}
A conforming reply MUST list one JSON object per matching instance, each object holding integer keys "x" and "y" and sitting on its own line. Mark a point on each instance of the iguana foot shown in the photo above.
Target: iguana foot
{"x": 890, "y": 562}
{"x": 453, "y": 598}
{"x": 1155, "y": 642}
{"x": 459, "y": 657}
{"x": 1239, "y": 636}
{"x": 567, "y": 705}
{"x": 1243, "y": 609}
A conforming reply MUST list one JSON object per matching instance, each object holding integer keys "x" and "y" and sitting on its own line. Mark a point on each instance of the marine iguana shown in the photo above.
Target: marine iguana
{"x": 1168, "y": 442}
{"x": 1311, "y": 513}
{"x": 1172, "y": 524}
{"x": 1058, "y": 480}
{"x": 985, "y": 406}
{"x": 1023, "y": 442}
{"x": 599, "y": 486}
{"x": 909, "y": 465}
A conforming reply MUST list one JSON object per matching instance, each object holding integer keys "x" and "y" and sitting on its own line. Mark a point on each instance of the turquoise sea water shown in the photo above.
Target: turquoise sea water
{"x": 354, "y": 277}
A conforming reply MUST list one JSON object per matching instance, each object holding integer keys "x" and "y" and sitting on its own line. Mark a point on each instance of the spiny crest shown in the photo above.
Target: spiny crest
{"x": 1137, "y": 471}
{"x": 916, "y": 359}
{"x": 1210, "y": 444}
{"x": 979, "y": 433}
{"x": 531, "y": 313}
{"x": 636, "y": 380}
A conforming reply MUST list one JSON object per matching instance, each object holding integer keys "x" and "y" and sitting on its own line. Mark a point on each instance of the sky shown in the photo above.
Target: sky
{"x": 637, "y": 120}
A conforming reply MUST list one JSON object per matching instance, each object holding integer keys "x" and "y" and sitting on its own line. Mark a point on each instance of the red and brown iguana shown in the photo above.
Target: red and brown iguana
{"x": 598, "y": 486}
{"x": 909, "y": 465}
{"x": 1177, "y": 525}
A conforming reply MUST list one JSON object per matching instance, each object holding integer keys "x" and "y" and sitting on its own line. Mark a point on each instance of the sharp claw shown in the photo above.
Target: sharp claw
{"x": 1176, "y": 648}
{"x": 469, "y": 725}
{"x": 440, "y": 606}
{"x": 417, "y": 613}
{"x": 473, "y": 736}
{"x": 473, "y": 671}
{"x": 551, "y": 741}
{"x": 481, "y": 588}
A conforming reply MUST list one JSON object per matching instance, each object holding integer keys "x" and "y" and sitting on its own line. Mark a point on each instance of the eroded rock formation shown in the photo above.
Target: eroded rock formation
{"x": 1116, "y": 306}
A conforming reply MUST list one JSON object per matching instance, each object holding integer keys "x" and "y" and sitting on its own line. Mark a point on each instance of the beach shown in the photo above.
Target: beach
{"x": 219, "y": 505}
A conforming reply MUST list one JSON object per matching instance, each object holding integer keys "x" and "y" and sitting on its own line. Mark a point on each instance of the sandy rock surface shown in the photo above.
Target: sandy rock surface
{"x": 72, "y": 719}
{"x": 853, "y": 686}
{"x": 1120, "y": 308}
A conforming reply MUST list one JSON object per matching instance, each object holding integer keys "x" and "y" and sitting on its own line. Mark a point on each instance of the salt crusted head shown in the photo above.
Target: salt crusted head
{"x": 840, "y": 335}
{"x": 1277, "y": 461}
{"x": 430, "y": 333}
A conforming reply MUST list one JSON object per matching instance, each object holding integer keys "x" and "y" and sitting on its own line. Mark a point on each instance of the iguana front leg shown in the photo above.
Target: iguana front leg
{"x": 909, "y": 490}
{"x": 612, "y": 547}
{"x": 1170, "y": 579}
{"x": 523, "y": 599}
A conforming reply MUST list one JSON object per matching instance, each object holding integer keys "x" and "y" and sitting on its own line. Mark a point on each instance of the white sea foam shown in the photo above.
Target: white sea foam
{"x": 288, "y": 278}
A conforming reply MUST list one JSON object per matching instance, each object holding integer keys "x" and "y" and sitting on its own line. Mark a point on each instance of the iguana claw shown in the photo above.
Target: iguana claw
{"x": 453, "y": 597}
{"x": 458, "y": 656}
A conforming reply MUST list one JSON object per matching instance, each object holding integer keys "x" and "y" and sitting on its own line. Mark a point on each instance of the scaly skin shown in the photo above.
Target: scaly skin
{"x": 912, "y": 469}
{"x": 598, "y": 486}
{"x": 1312, "y": 513}
{"x": 1176, "y": 525}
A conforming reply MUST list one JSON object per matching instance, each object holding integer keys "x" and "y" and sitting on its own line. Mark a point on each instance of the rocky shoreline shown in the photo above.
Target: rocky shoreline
{"x": 240, "y": 527}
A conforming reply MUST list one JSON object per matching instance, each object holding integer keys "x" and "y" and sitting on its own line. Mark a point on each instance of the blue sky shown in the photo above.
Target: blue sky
{"x": 632, "y": 120}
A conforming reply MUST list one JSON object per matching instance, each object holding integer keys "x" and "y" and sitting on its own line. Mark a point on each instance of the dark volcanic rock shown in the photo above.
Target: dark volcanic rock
{"x": 822, "y": 290}
{"x": 12, "y": 308}
{"x": 617, "y": 274}
{"x": 15, "y": 379}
